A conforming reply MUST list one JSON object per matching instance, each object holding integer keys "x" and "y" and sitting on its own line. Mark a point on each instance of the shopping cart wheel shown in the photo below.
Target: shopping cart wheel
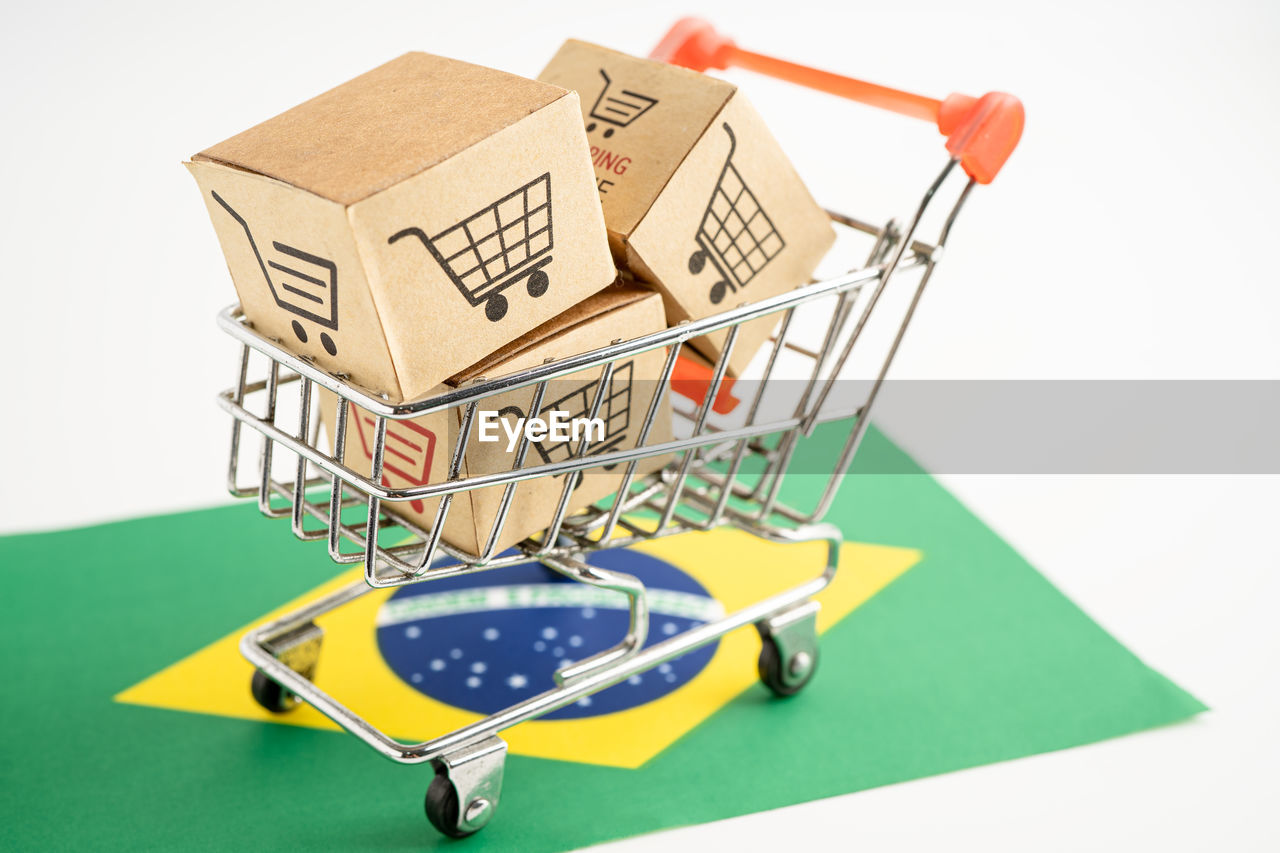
{"x": 496, "y": 308}
{"x": 298, "y": 649}
{"x": 270, "y": 695}
{"x": 538, "y": 283}
{"x": 789, "y": 648}
{"x": 697, "y": 261}
{"x": 782, "y": 680}
{"x": 718, "y": 291}
{"x": 463, "y": 796}
{"x": 441, "y": 806}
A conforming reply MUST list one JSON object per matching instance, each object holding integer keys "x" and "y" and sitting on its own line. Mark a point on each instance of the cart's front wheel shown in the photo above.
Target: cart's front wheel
{"x": 271, "y": 695}
{"x": 718, "y": 291}
{"x": 442, "y": 808}
{"x": 785, "y": 679}
{"x": 446, "y": 812}
{"x": 538, "y": 283}
{"x": 463, "y": 797}
{"x": 496, "y": 308}
{"x": 789, "y": 648}
{"x": 697, "y": 261}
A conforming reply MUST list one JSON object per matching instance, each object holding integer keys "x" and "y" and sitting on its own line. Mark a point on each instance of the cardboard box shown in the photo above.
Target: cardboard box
{"x": 698, "y": 198}
{"x": 401, "y": 226}
{"x": 419, "y": 451}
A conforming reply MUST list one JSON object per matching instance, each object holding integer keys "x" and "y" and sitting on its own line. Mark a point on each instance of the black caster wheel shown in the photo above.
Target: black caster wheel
{"x": 442, "y": 808}
{"x": 697, "y": 261}
{"x": 538, "y": 283}
{"x": 718, "y": 291}
{"x": 271, "y": 695}
{"x": 787, "y": 681}
{"x": 496, "y": 308}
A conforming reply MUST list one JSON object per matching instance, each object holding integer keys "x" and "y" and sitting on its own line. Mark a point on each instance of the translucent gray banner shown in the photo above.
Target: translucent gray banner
{"x": 1057, "y": 427}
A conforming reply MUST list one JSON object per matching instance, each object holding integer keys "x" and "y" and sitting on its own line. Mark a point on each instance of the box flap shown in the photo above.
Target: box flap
{"x": 594, "y": 307}
{"x": 384, "y": 126}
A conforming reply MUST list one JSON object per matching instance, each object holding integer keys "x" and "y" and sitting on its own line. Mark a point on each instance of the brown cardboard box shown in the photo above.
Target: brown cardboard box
{"x": 399, "y": 227}
{"x": 698, "y": 197}
{"x": 419, "y": 451}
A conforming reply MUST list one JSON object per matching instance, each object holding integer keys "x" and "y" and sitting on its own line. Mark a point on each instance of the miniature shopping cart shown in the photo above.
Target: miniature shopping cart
{"x": 729, "y": 466}
{"x": 736, "y": 234}
{"x": 497, "y": 246}
{"x": 617, "y": 107}
{"x": 308, "y": 285}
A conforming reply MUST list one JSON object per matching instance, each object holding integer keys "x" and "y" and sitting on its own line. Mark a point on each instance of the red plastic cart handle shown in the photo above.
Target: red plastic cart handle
{"x": 981, "y": 132}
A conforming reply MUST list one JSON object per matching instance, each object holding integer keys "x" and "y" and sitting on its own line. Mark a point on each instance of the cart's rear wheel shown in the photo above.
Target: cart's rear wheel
{"x": 697, "y": 261}
{"x": 785, "y": 679}
{"x": 299, "y": 650}
{"x": 718, "y": 291}
{"x": 271, "y": 695}
{"x": 496, "y": 308}
{"x": 538, "y": 283}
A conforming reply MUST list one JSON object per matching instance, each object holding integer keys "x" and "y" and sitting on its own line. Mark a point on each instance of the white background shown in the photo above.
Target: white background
{"x": 1131, "y": 236}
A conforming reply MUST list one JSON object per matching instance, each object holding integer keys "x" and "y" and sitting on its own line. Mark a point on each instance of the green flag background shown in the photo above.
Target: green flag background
{"x": 970, "y": 657}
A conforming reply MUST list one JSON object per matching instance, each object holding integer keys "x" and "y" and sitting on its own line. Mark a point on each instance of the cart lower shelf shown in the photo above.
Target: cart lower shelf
{"x": 464, "y": 794}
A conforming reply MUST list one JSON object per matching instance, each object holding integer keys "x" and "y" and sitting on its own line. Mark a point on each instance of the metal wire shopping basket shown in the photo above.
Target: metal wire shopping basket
{"x": 705, "y": 487}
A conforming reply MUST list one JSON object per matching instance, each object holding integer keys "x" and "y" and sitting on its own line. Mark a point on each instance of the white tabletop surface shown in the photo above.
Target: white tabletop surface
{"x": 1129, "y": 237}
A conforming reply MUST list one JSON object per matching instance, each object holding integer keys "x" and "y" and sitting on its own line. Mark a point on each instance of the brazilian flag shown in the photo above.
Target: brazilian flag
{"x": 130, "y": 723}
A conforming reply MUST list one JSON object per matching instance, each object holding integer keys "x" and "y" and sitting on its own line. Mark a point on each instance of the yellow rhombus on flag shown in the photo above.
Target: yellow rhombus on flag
{"x": 735, "y": 568}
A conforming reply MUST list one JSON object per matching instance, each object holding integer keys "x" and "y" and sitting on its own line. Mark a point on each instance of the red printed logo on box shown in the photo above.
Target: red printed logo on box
{"x": 406, "y": 454}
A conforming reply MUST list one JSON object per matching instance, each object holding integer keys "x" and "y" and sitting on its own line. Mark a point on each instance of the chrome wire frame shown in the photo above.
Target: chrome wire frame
{"x": 700, "y": 490}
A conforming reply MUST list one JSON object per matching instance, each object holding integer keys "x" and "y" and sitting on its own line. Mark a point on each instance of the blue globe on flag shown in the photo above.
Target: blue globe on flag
{"x": 485, "y": 641}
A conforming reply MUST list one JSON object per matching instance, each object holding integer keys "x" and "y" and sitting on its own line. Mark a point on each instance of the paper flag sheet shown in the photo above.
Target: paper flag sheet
{"x": 129, "y": 720}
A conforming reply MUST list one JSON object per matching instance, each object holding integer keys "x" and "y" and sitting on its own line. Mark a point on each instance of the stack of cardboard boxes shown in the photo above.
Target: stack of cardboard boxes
{"x": 432, "y": 222}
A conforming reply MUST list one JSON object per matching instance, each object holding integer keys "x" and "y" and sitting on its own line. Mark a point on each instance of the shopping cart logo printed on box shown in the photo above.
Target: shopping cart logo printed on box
{"x": 407, "y": 451}
{"x": 735, "y": 234}
{"x": 614, "y": 413}
{"x": 312, "y": 297}
{"x": 617, "y": 107}
{"x": 496, "y": 247}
